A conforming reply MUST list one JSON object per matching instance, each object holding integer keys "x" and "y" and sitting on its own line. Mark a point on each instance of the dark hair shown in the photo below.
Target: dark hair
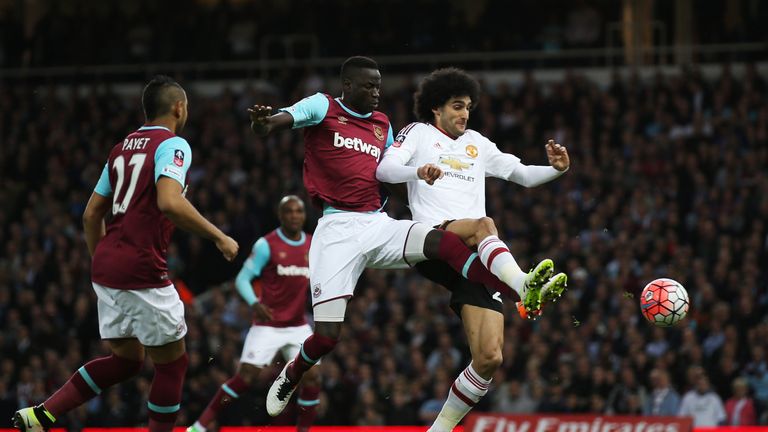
{"x": 357, "y": 62}
{"x": 440, "y": 86}
{"x": 159, "y": 95}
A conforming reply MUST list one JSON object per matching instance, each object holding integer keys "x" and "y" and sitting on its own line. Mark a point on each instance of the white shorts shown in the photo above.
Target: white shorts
{"x": 154, "y": 316}
{"x": 345, "y": 243}
{"x": 263, "y": 342}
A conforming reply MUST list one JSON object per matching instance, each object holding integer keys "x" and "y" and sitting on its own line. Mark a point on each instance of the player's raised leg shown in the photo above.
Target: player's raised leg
{"x": 494, "y": 253}
{"x": 447, "y": 246}
{"x": 551, "y": 291}
{"x": 87, "y": 382}
{"x": 335, "y": 265}
{"x": 322, "y": 341}
{"x": 496, "y": 257}
{"x": 554, "y": 288}
{"x": 427, "y": 243}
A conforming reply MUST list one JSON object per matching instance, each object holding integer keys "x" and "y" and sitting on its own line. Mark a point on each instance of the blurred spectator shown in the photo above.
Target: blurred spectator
{"x": 704, "y": 405}
{"x": 431, "y": 407}
{"x": 628, "y": 396}
{"x": 757, "y": 374}
{"x": 663, "y": 400}
{"x": 512, "y": 397}
{"x": 659, "y": 345}
{"x": 639, "y": 202}
{"x": 401, "y": 409}
{"x": 554, "y": 400}
{"x": 445, "y": 355}
{"x": 740, "y": 408}
{"x": 367, "y": 410}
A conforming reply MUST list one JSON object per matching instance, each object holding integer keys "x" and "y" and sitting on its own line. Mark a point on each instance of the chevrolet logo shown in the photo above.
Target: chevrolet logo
{"x": 455, "y": 163}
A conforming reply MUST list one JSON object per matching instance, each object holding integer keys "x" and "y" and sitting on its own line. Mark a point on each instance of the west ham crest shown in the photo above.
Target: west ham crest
{"x": 379, "y": 133}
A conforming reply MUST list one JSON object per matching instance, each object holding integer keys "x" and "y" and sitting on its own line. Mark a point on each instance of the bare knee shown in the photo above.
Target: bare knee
{"x": 487, "y": 361}
{"x": 481, "y": 228}
{"x": 485, "y": 228}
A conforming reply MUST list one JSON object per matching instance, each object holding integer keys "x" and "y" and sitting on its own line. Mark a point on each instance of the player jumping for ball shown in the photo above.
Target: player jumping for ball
{"x": 344, "y": 139}
{"x": 456, "y": 202}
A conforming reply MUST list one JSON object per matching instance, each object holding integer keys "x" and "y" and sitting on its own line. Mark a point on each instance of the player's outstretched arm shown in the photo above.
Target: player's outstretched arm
{"x": 185, "y": 216}
{"x": 262, "y": 123}
{"x": 535, "y": 175}
{"x": 93, "y": 220}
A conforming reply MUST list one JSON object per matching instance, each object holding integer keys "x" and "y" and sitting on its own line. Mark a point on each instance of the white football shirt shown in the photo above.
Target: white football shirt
{"x": 466, "y": 162}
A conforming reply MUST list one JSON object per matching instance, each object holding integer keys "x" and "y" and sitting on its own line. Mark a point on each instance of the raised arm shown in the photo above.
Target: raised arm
{"x": 509, "y": 167}
{"x": 262, "y": 123}
{"x": 307, "y": 112}
{"x": 535, "y": 175}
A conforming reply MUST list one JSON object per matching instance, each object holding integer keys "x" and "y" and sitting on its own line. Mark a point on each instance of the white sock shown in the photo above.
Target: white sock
{"x": 466, "y": 391}
{"x": 496, "y": 257}
{"x": 199, "y": 426}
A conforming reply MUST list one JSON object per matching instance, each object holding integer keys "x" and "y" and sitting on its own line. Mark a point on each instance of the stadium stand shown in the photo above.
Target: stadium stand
{"x": 668, "y": 179}
{"x": 77, "y": 32}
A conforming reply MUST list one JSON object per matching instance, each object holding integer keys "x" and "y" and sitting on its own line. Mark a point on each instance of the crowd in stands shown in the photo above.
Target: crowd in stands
{"x": 668, "y": 179}
{"x": 82, "y": 32}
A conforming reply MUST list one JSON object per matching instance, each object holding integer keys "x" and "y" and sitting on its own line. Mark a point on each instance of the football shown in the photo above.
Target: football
{"x": 664, "y": 302}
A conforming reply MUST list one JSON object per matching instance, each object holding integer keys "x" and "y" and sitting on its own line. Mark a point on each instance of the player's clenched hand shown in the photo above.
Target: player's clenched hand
{"x": 429, "y": 173}
{"x": 259, "y": 114}
{"x": 228, "y": 247}
{"x": 261, "y": 313}
{"x": 558, "y": 156}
